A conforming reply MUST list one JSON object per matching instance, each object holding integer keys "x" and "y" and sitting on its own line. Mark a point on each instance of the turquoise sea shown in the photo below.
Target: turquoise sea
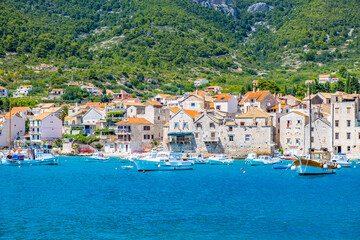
{"x": 87, "y": 200}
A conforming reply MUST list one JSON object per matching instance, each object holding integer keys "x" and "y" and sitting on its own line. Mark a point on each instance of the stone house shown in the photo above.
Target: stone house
{"x": 292, "y": 133}
{"x": 4, "y": 92}
{"x": 134, "y": 135}
{"x": 91, "y": 118}
{"x": 226, "y": 104}
{"x": 321, "y": 135}
{"x": 195, "y": 103}
{"x": 258, "y": 99}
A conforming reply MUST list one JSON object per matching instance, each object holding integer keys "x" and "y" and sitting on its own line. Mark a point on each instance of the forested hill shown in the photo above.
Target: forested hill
{"x": 171, "y": 42}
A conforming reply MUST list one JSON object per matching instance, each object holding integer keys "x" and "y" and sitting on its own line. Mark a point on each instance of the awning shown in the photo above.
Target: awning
{"x": 180, "y": 133}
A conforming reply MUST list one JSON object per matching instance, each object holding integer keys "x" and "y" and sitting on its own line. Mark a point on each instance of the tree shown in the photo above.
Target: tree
{"x": 347, "y": 84}
{"x": 75, "y": 93}
{"x": 342, "y": 70}
{"x": 104, "y": 96}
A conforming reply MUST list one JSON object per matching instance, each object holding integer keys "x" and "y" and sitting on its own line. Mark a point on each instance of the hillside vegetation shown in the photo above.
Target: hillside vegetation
{"x": 154, "y": 46}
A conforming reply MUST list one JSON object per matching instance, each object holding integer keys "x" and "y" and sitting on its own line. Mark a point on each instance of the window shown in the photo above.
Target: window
{"x": 230, "y": 129}
{"x": 288, "y": 130}
{"x": 152, "y": 136}
{"x": 336, "y": 123}
{"x": 196, "y": 135}
{"x": 185, "y": 125}
{"x": 359, "y": 135}
{"x": 348, "y": 123}
{"x": 288, "y": 140}
{"x": 348, "y": 110}
{"x": 348, "y": 148}
{"x": 212, "y": 125}
{"x": 336, "y": 110}
{"x": 218, "y": 107}
{"x": 247, "y": 137}
{"x": 212, "y": 134}
{"x": 298, "y": 122}
{"x": 146, "y": 136}
{"x": 242, "y": 123}
{"x": 176, "y": 125}
{"x": 198, "y": 125}
{"x": 193, "y": 104}
{"x": 297, "y": 140}
{"x": 231, "y": 138}
{"x": 348, "y": 135}
{"x": 159, "y": 118}
{"x": 312, "y": 139}
{"x": 297, "y": 130}
{"x": 337, "y": 135}
{"x": 146, "y": 128}
{"x": 288, "y": 123}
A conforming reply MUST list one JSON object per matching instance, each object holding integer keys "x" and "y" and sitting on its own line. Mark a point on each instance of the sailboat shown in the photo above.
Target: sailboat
{"x": 315, "y": 163}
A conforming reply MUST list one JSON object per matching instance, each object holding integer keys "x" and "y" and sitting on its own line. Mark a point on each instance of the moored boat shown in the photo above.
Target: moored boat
{"x": 99, "y": 156}
{"x": 198, "y": 159}
{"x": 316, "y": 163}
{"x": 162, "y": 161}
{"x": 220, "y": 159}
{"x": 28, "y": 157}
{"x": 261, "y": 160}
{"x": 250, "y": 157}
{"x": 341, "y": 159}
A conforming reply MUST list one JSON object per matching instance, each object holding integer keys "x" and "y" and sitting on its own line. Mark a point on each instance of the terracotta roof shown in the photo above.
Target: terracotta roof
{"x": 293, "y": 98}
{"x": 230, "y": 124}
{"x": 57, "y": 89}
{"x": 155, "y": 103}
{"x": 324, "y": 76}
{"x": 174, "y": 109}
{"x": 19, "y": 109}
{"x": 133, "y": 104}
{"x": 277, "y": 106}
{"x": 2, "y": 87}
{"x": 223, "y": 98}
{"x": 48, "y": 105}
{"x": 28, "y": 86}
{"x": 279, "y": 100}
{"x": 7, "y": 115}
{"x": 307, "y": 97}
{"x": 199, "y": 93}
{"x": 42, "y": 116}
{"x": 101, "y": 105}
{"x": 166, "y": 96}
{"x": 191, "y": 113}
{"x": 326, "y": 95}
{"x": 309, "y": 81}
{"x": 257, "y": 95}
{"x": 91, "y": 103}
{"x": 134, "y": 120}
{"x": 254, "y": 113}
{"x": 303, "y": 114}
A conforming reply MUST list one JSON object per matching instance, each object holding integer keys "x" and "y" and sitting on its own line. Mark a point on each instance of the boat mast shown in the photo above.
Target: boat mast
{"x": 310, "y": 116}
{"x": 10, "y": 125}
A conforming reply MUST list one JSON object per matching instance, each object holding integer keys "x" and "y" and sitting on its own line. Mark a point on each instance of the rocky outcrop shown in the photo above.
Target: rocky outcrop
{"x": 259, "y": 7}
{"x": 227, "y": 6}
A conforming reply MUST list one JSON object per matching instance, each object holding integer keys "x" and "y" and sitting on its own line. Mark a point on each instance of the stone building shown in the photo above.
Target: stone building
{"x": 292, "y": 133}
{"x": 258, "y": 99}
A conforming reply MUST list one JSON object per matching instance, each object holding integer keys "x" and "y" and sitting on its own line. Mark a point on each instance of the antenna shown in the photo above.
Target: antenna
{"x": 310, "y": 117}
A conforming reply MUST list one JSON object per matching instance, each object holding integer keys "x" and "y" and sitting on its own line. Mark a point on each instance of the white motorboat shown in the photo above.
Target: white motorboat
{"x": 162, "y": 161}
{"x": 198, "y": 159}
{"x": 250, "y": 157}
{"x": 220, "y": 159}
{"x": 341, "y": 159}
{"x": 99, "y": 156}
{"x": 29, "y": 157}
{"x": 262, "y": 160}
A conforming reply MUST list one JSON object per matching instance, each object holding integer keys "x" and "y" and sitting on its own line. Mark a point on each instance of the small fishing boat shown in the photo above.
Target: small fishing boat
{"x": 162, "y": 161}
{"x": 276, "y": 166}
{"x": 341, "y": 159}
{"x": 198, "y": 159}
{"x": 250, "y": 157}
{"x": 220, "y": 159}
{"x": 261, "y": 160}
{"x": 29, "y": 157}
{"x": 99, "y": 156}
{"x": 316, "y": 163}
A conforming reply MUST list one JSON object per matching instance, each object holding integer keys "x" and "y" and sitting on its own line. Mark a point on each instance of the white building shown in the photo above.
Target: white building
{"x": 45, "y": 127}
{"x": 23, "y": 91}
{"x": 324, "y": 78}
{"x": 227, "y": 103}
{"x": 4, "y": 92}
{"x": 92, "y": 90}
{"x": 56, "y": 93}
{"x": 201, "y": 81}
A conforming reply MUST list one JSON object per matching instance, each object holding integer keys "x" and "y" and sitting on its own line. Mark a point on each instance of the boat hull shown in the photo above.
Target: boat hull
{"x": 310, "y": 167}
{"x": 50, "y": 161}
{"x": 255, "y": 162}
{"x": 220, "y": 162}
{"x": 147, "y": 165}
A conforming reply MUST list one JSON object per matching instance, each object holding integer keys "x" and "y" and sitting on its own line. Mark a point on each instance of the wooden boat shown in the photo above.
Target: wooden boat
{"x": 316, "y": 163}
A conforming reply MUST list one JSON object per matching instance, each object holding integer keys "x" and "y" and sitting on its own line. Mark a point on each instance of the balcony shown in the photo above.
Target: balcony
{"x": 123, "y": 132}
{"x": 180, "y": 140}
{"x": 211, "y": 139}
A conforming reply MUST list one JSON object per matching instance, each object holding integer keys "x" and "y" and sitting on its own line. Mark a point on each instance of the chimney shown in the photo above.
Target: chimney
{"x": 258, "y": 89}
{"x": 280, "y": 110}
{"x": 196, "y": 92}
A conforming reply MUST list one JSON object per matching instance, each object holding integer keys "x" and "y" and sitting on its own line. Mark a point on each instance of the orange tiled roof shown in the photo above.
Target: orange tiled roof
{"x": 257, "y": 95}
{"x": 134, "y": 120}
{"x": 57, "y": 89}
{"x": 42, "y": 116}
{"x": 166, "y": 96}
{"x": 254, "y": 113}
{"x": 91, "y": 103}
{"x": 1, "y": 87}
{"x": 192, "y": 113}
{"x": 277, "y": 107}
{"x": 324, "y": 76}
{"x": 174, "y": 109}
{"x": 303, "y": 114}
{"x": 19, "y": 109}
{"x": 155, "y": 103}
{"x": 223, "y": 98}
{"x": 212, "y": 105}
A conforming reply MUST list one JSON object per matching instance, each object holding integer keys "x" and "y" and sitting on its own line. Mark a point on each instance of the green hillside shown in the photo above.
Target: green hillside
{"x": 163, "y": 45}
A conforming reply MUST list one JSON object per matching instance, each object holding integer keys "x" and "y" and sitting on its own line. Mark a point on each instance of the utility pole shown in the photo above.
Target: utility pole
{"x": 310, "y": 117}
{"x": 10, "y": 125}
